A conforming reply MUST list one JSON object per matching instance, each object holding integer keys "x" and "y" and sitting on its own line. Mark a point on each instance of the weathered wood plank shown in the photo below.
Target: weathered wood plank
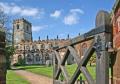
{"x": 88, "y": 54}
{"x": 74, "y": 54}
{"x": 62, "y": 67}
{"x": 79, "y": 63}
{"x": 75, "y": 76}
{"x": 75, "y": 41}
{"x": 87, "y": 75}
{"x": 65, "y": 57}
{"x": 102, "y": 58}
{"x": 55, "y": 66}
{"x": 62, "y": 63}
{"x": 57, "y": 73}
{"x": 88, "y": 36}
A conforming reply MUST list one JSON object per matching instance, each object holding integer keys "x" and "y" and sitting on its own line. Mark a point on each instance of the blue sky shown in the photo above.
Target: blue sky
{"x": 56, "y": 17}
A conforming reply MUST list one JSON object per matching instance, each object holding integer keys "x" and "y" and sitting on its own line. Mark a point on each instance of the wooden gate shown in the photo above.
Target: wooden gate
{"x": 102, "y": 42}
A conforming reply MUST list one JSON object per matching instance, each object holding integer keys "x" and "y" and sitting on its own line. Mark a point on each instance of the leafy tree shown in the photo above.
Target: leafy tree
{"x": 9, "y": 51}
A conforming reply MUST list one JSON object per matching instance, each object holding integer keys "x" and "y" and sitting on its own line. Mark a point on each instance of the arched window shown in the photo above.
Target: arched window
{"x": 19, "y": 58}
{"x": 27, "y": 47}
{"x": 17, "y": 26}
{"x": 37, "y": 57}
{"x": 46, "y": 56}
{"x": 84, "y": 48}
{"x": 27, "y": 28}
{"x": 42, "y": 46}
{"x": 29, "y": 59}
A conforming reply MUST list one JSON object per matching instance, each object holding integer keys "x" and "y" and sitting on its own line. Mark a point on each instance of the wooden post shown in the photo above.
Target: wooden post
{"x": 55, "y": 63}
{"x": 2, "y": 58}
{"x": 102, "y": 39}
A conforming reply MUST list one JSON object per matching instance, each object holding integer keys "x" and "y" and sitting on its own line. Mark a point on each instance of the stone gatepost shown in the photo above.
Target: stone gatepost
{"x": 2, "y": 57}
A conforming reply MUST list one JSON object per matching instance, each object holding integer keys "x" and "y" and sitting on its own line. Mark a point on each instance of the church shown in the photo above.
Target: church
{"x": 32, "y": 52}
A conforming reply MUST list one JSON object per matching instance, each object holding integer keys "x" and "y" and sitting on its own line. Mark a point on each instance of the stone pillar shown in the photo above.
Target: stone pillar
{"x": 2, "y": 58}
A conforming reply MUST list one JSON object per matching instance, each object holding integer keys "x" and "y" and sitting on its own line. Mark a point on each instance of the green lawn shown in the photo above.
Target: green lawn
{"x": 42, "y": 70}
{"x": 47, "y": 71}
{"x": 13, "y": 78}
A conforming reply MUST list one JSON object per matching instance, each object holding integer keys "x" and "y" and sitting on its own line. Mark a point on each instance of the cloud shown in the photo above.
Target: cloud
{"x": 73, "y": 17}
{"x": 14, "y": 9}
{"x": 38, "y": 28}
{"x": 56, "y": 14}
{"x": 77, "y": 11}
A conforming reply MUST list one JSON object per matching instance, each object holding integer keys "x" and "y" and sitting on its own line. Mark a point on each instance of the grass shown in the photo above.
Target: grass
{"x": 47, "y": 71}
{"x": 13, "y": 78}
{"x": 71, "y": 69}
{"x": 41, "y": 70}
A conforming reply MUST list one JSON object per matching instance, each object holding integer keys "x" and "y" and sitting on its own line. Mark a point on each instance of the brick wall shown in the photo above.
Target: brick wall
{"x": 116, "y": 42}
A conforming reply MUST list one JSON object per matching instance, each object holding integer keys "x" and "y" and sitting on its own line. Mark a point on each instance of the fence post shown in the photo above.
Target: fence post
{"x": 54, "y": 68}
{"x": 102, "y": 39}
{"x": 2, "y": 58}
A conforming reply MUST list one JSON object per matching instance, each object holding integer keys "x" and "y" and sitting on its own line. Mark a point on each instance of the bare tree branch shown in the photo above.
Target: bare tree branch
{"x": 3, "y": 17}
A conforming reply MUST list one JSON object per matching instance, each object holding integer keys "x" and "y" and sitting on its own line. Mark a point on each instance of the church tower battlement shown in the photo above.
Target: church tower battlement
{"x": 22, "y": 30}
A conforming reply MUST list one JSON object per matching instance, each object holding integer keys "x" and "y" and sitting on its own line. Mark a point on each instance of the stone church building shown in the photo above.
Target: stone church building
{"x": 39, "y": 52}
{"x": 33, "y": 52}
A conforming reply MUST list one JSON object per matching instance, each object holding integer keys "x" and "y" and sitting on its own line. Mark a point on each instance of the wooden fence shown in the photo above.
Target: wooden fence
{"x": 101, "y": 36}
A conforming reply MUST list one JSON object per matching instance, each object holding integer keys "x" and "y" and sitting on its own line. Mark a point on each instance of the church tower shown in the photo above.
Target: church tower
{"x": 22, "y": 30}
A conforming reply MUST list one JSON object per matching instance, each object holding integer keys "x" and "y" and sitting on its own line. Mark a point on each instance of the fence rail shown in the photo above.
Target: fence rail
{"x": 100, "y": 36}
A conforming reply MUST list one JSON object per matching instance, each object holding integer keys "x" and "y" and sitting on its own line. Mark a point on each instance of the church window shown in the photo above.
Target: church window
{"x": 19, "y": 58}
{"x": 17, "y": 26}
{"x": 37, "y": 58}
{"x": 27, "y": 28}
{"x": 29, "y": 59}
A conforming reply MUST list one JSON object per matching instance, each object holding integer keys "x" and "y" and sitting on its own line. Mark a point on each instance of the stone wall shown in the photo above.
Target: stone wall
{"x": 116, "y": 43}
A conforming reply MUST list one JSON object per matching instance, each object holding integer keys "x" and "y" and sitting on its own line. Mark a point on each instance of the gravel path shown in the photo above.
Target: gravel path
{"x": 34, "y": 78}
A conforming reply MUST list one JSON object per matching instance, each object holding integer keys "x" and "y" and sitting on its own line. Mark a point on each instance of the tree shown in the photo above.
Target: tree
{"x": 9, "y": 48}
{"x": 3, "y": 18}
{"x": 9, "y": 51}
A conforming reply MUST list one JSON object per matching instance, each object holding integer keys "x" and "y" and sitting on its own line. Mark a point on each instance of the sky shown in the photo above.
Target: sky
{"x": 56, "y": 17}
